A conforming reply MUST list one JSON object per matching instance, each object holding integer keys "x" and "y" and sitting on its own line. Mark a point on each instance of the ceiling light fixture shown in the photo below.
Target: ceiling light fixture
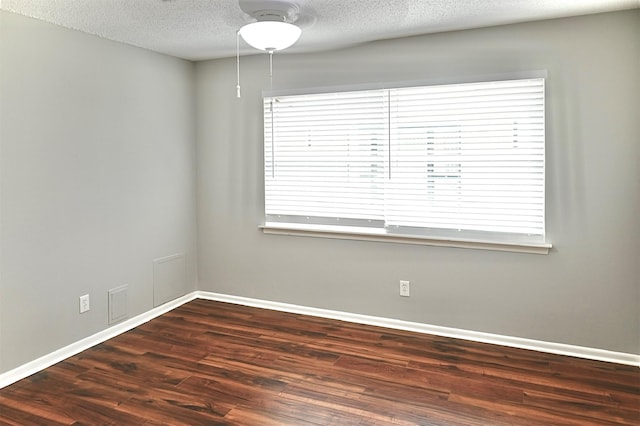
{"x": 270, "y": 33}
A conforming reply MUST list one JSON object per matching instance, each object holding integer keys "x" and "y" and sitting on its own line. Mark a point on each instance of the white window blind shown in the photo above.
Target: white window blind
{"x": 463, "y": 161}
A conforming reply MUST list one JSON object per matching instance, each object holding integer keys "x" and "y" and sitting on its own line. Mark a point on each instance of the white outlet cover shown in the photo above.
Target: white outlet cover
{"x": 405, "y": 288}
{"x": 84, "y": 304}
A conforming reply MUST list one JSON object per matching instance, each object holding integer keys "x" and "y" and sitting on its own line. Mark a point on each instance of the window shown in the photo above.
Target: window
{"x": 456, "y": 162}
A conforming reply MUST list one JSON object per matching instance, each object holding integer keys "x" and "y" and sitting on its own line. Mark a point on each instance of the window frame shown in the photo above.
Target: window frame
{"x": 330, "y": 229}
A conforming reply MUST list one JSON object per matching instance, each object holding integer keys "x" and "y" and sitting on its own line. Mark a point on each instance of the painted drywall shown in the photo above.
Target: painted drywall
{"x": 586, "y": 292}
{"x": 97, "y": 180}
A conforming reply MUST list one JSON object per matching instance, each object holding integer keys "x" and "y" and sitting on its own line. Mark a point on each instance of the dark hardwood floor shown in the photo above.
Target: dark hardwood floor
{"x": 212, "y": 363}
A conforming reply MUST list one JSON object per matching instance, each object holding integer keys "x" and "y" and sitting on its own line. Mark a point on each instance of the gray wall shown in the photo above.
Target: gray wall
{"x": 585, "y": 292}
{"x": 97, "y": 180}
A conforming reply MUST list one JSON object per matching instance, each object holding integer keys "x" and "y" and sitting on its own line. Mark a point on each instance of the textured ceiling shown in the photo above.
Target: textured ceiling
{"x": 205, "y": 29}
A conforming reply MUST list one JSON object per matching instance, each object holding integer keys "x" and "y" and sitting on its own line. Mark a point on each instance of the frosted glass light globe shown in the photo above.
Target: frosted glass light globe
{"x": 270, "y": 35}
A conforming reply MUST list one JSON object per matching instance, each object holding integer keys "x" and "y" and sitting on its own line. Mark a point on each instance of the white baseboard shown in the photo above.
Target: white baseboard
{"x": 476, "y": 336}
{"x": 48, "y": 360}
{"x": 61, "y": 354}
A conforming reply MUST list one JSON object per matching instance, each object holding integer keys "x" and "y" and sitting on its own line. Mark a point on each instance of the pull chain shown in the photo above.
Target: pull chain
{"x": 238, "y": 64}
{"x": 270, "y": 69}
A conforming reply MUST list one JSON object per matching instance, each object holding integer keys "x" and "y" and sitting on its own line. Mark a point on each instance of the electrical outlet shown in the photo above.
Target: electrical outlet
{"x": 84, "y": 303}
{"x": 405, "y": 288}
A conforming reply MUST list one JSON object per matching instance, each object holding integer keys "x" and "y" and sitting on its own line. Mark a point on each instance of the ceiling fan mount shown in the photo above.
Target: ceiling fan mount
{"x": 270, "y": 15}
{"x": 271, "y": 10}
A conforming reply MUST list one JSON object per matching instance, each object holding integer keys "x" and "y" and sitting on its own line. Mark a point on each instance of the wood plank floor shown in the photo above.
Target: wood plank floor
{"x": 212, "y": 363}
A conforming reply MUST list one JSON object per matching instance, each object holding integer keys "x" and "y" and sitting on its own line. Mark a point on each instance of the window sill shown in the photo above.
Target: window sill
{"x": 360, "y": 234}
